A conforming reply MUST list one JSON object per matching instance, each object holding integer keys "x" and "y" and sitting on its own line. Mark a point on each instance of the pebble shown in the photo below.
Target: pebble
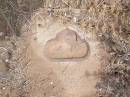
{"x": 3, "y": 88}
{"x": 51, "y": 83}
{"x": 52, "y": 96}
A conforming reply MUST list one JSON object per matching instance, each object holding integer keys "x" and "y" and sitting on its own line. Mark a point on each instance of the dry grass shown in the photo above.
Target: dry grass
{"x": 109, "y": 19}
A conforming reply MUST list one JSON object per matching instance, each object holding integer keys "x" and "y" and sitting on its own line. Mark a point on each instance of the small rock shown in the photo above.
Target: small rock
{"x": 52, "y": 96}
{"x": 3, "y": 88}
{"x": 51, "y": 83}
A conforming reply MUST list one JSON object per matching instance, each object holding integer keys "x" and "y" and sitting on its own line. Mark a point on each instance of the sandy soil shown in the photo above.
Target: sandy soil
{"x": 64, "y": 57}
{"x": 62, "y": 78}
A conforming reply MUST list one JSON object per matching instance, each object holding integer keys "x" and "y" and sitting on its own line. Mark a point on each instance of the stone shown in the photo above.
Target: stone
{"x": 66, "y": 45}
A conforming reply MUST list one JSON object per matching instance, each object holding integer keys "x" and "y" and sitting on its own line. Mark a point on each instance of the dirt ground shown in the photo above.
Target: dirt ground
{"x": 64, "y": 48}
{"x": 65, "y": 73}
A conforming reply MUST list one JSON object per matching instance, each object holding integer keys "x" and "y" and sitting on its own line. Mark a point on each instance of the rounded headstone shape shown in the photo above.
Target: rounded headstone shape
{"x": 66, "y": 45}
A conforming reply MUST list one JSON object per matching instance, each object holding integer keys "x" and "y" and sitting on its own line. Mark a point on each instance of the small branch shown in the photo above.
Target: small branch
{"x": 6, "y": 19}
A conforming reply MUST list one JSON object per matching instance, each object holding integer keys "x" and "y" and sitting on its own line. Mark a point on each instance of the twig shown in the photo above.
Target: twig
{"x": 6, "y": 19}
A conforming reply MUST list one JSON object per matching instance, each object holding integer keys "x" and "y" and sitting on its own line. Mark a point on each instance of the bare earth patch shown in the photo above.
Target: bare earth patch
{"x": 62, "y": 48}
{"x": 64, "y": 62}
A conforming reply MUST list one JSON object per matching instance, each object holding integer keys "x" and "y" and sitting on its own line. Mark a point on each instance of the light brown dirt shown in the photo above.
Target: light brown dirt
{"x": 62, "y": 78}
{"x": 65, "y": 73}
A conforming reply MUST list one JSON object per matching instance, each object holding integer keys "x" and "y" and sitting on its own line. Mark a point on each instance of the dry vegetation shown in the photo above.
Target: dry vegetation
{"x": 109, "y": 19}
